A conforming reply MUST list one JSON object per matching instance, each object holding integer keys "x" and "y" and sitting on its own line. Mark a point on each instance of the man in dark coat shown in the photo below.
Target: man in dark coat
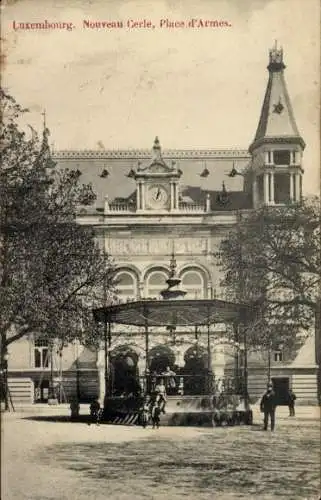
{"x": 291, "y": 403}
{"x": 267, "y": 406}
{"x": 94, "y": 412}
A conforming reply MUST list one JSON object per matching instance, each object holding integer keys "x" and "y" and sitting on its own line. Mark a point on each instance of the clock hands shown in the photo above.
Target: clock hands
{"x": 158, "y": 194}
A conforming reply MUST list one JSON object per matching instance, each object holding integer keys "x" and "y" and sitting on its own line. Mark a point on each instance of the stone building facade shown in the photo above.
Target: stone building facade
{"x": 151, "y": 204}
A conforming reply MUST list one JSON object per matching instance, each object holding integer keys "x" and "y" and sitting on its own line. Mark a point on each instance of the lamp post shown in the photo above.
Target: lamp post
{"x": 107, "y": 367}
{"x": 77, "y": 370}
{"x": 52, "y": 399}
{"x": 269, "y": 364}
{"x": 246, "y": 392}
{"x": 241, "y": 294}
{"x": 209, "y": 360}
{"x": 236, "y": 359}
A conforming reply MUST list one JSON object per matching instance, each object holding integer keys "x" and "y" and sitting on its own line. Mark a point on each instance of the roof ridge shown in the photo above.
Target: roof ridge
{"x": 146, "y": 153}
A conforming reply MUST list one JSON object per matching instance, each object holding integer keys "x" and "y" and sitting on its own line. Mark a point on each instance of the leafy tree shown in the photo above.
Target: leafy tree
{"x": 51, "y": 268}
{"x": 272, "y": 261}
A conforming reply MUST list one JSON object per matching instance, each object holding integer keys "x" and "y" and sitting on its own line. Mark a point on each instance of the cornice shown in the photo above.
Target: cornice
{"x": 277, "y": 140}
{"x": 133, "y": 154}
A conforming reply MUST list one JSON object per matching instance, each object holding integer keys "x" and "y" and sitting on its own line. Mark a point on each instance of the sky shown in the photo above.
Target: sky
{"x": 193, "y": 87}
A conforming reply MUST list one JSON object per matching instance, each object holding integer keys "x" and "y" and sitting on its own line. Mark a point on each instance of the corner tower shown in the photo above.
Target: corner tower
{"x": 277, "y": 147}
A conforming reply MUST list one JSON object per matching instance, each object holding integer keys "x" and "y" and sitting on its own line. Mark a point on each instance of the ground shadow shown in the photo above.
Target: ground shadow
{"x": 86, "y": 419}
{"x": 58, "y": 418}
{"x": 217, "y": 462}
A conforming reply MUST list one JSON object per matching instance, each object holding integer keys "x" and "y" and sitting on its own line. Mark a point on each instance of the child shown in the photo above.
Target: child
{"x": 160, "y": 393}
{"x": 145, "y": 414}
{"x": 156, "y": 415}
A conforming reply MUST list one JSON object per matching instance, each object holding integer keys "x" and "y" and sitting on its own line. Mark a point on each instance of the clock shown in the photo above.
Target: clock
{"x": 157, "y": 196}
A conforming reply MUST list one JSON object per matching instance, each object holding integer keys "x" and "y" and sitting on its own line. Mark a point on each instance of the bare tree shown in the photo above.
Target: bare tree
{"x": 51, "y": 268}
{"x": 272, "y": 261}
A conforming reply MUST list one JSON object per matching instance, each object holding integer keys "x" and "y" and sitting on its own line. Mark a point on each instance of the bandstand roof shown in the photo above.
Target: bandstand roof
{"x": 183, "y": 312}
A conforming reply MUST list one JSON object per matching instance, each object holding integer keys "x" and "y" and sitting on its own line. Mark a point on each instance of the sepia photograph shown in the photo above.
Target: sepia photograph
{"x": 160, "y": 251}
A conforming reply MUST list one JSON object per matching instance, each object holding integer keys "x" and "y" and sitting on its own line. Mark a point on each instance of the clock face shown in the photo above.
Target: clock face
{"x": 157, "y": 196}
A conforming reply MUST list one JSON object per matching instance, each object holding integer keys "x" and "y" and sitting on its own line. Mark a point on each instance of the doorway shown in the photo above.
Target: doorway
{"x": 41, "y": 392}
{"x": 281, "y": 387}
{"x": 124, "y": 371}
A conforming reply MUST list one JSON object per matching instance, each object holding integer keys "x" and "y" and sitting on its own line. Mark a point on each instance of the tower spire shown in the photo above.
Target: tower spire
{"x": 277, "y": 122}
{"x": 45, "y": 152}
{"x": 277, "y": 142}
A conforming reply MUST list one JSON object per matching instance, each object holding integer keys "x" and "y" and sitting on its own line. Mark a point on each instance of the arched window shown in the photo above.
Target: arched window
{"x": 193, "y": 283}
{"x": 126, "y": 285}
{"x": 155, "y": 283}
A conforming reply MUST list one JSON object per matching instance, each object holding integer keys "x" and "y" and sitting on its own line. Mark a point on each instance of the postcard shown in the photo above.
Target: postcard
{"x": 147, "y": 146}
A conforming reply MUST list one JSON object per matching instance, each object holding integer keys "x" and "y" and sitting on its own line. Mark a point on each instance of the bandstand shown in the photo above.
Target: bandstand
{"x": 194, "y": 395}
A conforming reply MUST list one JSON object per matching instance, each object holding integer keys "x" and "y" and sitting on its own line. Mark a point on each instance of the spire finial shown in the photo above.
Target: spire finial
{"x": 276, "y": 58}
{"x": 44, "y": 119}
{"x": 157, "y": 150}
{"x": 156, "y": 143}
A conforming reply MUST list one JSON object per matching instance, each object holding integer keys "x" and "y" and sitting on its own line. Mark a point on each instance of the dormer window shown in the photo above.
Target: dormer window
{"x": 282, "y": 157}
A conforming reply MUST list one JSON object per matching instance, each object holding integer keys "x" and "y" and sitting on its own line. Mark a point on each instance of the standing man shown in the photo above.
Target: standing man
{"x": 291, "y": 402}
{"x": 267, "y": 406}
{"x": 94, "y": 412}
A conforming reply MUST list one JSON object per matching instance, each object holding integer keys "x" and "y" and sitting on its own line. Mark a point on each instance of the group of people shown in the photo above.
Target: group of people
{"x": 268, "y": 406}
{"x": 154, "y": 405}
{"x": 152, "y": 408}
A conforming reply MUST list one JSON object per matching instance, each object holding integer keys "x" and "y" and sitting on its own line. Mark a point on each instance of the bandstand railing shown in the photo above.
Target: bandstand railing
{"x": 181, "y": 385}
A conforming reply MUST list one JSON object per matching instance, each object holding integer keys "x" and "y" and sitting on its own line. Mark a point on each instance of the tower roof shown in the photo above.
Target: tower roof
{"x": 277, "y": 122}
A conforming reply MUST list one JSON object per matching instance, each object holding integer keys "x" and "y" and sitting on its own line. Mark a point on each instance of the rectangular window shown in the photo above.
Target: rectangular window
{"x": 281, "y": 188}
{"x": 41, "y": 353}
{"x": 278, "y": 356}
{"x": 281, "y": 157}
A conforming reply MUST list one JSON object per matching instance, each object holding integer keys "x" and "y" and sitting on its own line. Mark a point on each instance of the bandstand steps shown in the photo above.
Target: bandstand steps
{"x": 128, "y": 419}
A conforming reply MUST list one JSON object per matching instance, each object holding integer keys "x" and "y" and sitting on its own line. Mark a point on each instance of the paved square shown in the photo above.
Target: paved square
{"x": 47, "y": 460}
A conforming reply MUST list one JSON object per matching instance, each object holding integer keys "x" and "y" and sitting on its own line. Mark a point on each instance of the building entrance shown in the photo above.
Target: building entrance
{"x": 42, "y": 392}
{"x": 195, "y": 370}
{"x": 125, "y": 377}
{"x": 281, "y": 389}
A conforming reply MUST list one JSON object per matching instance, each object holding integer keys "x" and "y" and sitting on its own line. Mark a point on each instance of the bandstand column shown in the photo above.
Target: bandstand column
{"x": 101, "y": 370}
{"x": 107, "y": 345}
{"x": 146, "y": 358}
{"x": 209, "y": 361}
